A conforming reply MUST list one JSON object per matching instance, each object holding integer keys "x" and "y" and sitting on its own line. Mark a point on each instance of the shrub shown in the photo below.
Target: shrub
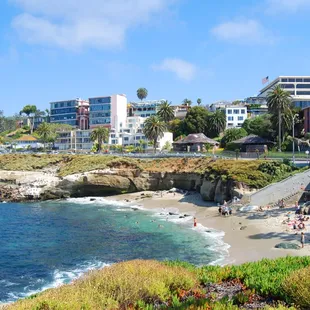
{"x": 297, "y": 287}
{"x": 116, "y": 286}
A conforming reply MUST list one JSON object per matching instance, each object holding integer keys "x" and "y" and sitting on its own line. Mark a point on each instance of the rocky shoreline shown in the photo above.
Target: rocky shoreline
{"x": 19, "y": 186}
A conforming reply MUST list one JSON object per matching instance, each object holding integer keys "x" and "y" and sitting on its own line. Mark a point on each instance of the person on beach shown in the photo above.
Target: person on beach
{"x": 195, "y": 222}
{"x": 302, "y": 239}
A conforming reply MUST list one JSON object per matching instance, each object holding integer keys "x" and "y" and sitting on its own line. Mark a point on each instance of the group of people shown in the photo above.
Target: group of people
{"x": 225, "y": 209}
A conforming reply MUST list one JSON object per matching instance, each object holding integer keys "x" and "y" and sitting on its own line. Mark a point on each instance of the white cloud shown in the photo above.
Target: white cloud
{"x": 73, "y": 24}
{"x": 290, "y": 6}
{"x": 184, "y": 70}
{"x": 244, "y": 31}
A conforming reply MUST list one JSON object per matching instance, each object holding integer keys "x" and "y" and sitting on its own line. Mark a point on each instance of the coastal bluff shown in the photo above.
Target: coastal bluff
{"x": 45, "y": 177}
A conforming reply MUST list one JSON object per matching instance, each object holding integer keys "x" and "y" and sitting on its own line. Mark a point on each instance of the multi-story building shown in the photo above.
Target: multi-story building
{"x": 180, "y": 111}
{"x": 108, "y": 111}
{"x": 256, "y": 106}
{"x": 219, "y": 105}
{"x": 235, "y": 116}
{"x": 297, "y": 86}
{"x": 66, "y": 112}
{"x": 144, "y": 108}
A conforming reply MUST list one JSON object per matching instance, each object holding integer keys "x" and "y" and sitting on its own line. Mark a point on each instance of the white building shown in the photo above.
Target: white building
{"x": 144, "y": 108}
{"x": 108, "y": 111}
{"x": 235, "y": 116}
{"x": 297, "y": 86}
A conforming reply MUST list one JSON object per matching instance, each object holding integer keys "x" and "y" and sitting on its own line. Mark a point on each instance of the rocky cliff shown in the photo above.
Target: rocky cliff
{"x": 43, "y": 185}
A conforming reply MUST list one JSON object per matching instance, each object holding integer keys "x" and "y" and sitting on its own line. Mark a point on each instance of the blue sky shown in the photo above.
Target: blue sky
{"x": 215, "y": 50}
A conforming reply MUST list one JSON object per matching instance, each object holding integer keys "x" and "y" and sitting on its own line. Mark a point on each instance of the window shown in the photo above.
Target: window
{"x": 303, "y": 93}
{"x": 126, "y": 139}
{"x": 291, "y": 80}
{"x": 283, "y": 80}
{"x": 243, "y": 111}
{"x": 112, "y": 135}
{"x": 298, "y": 80}
{"x": 303, "y": 86}
{"x": 307, "y": 80}
{"x": 240, "y": 118}
{"x": 230, "y": 118}
{"x": 239, "y": 124}
{"x": 230, "y": 124}
{"x": 287, "y": 86}
{"x": 236, "y": 111}
{"x": 229, "y": 111}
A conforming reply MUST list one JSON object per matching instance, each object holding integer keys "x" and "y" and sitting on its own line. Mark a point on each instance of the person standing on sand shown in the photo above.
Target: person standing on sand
{"x": 302, "y": 239}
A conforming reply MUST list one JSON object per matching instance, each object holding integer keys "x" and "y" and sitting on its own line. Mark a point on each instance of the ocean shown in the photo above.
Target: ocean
{"x": 46, "y": 244}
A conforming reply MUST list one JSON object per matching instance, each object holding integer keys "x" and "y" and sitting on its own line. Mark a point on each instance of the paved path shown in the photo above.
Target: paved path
{"x": 274, "y": 192}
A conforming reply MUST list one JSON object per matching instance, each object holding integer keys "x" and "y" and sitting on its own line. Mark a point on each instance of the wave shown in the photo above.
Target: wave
{"x": 58, "y": 278}
{"x": 218, "y": 245}
{"x": 106, "y": 202}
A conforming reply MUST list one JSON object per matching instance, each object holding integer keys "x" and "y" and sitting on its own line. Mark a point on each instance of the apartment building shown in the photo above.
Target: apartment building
{"x": 67, "y": 112}
{"x": 144, "y": 108}
{"x": 235, "y": 116}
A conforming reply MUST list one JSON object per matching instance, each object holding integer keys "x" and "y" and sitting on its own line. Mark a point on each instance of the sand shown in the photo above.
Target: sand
{"x": 263, "y": 230}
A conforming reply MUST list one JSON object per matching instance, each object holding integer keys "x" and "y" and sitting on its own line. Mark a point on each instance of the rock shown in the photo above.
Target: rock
{"x": 208, "y": 231}
{"x": 287, "y": 245}
{"x": 181, "y": 217}
{"x": 135, "y": 209}
{"x": 186, "y": 215}
{"x": 171, "y": 213}
{"x": 92, "y": 199}
{"x": 243, "y": 227}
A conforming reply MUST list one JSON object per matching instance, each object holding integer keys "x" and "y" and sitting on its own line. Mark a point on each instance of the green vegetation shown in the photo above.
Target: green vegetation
{"x": 154, "y": 129}
{"x": 254, "y": 173}
{"x": 150, "y": 285}
{"x": 100, "y": 135}
{"x": 165, "y": 112}
{"x": 142, "y": 93}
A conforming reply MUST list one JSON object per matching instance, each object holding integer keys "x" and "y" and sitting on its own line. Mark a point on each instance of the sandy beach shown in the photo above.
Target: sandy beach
{"x": 251, "y": 235}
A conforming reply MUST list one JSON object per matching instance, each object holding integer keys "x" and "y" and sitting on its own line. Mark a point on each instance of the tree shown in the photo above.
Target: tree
{"x": 176, "y": 127}
{"x": 216, "y": 123}
{"x": 278, "y": 101}
{"x": 143, "y": 145}
{"x": 198, "y": 101}
{"x": 44, "y": 132}
{"x": 47, "y": 115}
{"x": 142, "y": 93}
{"x": 154, "y": 129}
{"x": 260, "y": 126}
{"x": 101, "y": 135}
{"x": 165, "y": 112}
{"x": 29, "y": 110}
{"x": 233, "y": 134}
{"x": 195, "y": 120}
{"x": 187, "y": 102}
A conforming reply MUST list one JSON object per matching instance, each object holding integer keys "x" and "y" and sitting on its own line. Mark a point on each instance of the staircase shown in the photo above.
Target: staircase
{"x": 286, "y": 189}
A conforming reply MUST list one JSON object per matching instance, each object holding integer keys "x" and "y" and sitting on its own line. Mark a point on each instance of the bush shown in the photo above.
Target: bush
{"x": 297, "y": 287}
{"x": 117, "y": 286}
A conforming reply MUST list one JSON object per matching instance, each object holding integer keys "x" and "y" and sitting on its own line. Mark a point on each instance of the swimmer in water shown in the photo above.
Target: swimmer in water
{"x": 160, "y": 226}
{"x": 137, "y": 223}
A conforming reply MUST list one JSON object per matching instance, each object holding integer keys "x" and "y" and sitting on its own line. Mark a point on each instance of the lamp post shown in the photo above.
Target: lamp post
{"x": 296, "y": 115}
{"x": 307, "y": 153}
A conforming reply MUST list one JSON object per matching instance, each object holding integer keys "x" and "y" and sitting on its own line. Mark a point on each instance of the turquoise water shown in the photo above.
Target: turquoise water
{"x": 46, "y": 244}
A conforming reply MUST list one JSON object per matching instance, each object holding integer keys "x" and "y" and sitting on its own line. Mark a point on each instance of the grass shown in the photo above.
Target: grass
{"x": 254, "y": 173}
{"x": 150, "y": 285}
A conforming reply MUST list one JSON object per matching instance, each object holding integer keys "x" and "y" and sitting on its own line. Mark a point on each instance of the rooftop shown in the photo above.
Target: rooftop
{"x": 196, "y": 138}
{"x": 252, "y": 139}
{"x": 27, "y": 138}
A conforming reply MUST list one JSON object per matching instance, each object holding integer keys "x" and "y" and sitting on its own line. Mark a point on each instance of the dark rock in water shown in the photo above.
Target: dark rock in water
{"x": 127, "y": 200}
{"x": 162, "y": 213}
{"x": 186, "y": 215}
{"x": 135, "y": 209}
{"x": 171, "y": 213}
{"x": 243, "y": 227}
{"x": 287, "y": 245}
{"x": 208, "y": 231}
{"x": 92, "y": 199}
{"x": 181, "y": 217}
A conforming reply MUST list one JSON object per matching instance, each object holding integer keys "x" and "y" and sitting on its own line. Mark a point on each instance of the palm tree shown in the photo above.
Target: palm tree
{"x": 165, "y": 112}
{"x": 187, "y": 102}
{"x": 217, "y": 121}
{"x": 44, "y": 131}
{"x": 142, "y": 93}
{"x": 142, "y": 144}
{"x": 279, "y": 101}
{"x": 154, "y": 129}
{"x": 47, "y": 113}
{"x": 198, "y": 101}
{"x": 100, "y": 134}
